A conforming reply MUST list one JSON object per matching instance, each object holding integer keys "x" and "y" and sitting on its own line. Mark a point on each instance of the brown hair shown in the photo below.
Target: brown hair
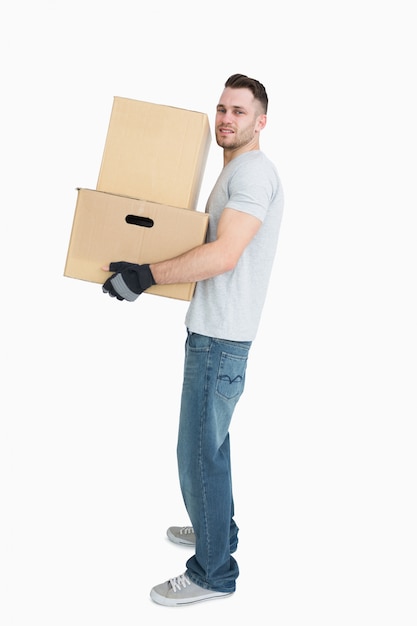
{"x": 239, "y": 81}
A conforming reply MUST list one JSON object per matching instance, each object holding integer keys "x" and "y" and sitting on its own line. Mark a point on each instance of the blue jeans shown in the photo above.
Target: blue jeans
{"x": 214, "y": 379}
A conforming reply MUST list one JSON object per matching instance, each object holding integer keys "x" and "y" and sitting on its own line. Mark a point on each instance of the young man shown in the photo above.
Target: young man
{"x": 232, "y": 271}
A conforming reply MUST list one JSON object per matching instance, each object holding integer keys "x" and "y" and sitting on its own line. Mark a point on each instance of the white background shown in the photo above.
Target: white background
{"x": 323, "y": 442}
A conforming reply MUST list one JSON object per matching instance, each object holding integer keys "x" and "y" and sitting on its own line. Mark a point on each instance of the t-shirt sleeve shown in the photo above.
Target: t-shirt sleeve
{"x": 251, "y": 189}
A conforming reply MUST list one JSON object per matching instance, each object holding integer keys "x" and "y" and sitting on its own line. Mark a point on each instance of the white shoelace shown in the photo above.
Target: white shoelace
{"x": 179, "y": 582}
{"x": 187, "y": 530}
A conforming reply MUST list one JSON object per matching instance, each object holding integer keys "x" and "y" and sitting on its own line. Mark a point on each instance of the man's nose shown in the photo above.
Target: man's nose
{"x": 227, "y": 117}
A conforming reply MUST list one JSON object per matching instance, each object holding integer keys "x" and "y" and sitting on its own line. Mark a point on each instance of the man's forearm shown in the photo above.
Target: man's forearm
{"x": 197, "y": 264}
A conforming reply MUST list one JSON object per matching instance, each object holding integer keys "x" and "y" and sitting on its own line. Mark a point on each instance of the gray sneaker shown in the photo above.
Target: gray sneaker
{"x": 183, "y": 535}
{"x": 180, "y": 590}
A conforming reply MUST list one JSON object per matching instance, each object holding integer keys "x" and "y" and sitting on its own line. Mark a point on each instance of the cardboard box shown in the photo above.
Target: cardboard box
{"x": 109, "y": 227}
{"x": 156, "y": 152}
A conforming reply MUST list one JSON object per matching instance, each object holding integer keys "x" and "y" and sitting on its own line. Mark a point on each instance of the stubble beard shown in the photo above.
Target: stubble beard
{"x": 236, "y": 141}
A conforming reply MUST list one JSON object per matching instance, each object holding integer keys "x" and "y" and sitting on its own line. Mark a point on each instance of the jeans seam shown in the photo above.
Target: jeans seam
{"x": 203, "y": 418}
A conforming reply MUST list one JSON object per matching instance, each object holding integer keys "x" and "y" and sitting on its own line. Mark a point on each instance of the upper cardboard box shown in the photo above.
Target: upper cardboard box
{"x": 155, "y": 152}
{"x": 108, "y": 228}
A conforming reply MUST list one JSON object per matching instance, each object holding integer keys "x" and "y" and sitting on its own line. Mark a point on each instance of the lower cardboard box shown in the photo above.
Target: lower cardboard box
{"x": 108, "y": 227}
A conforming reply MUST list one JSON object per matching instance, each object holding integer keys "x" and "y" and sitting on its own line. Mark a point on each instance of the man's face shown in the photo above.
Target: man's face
{"x": 238, "y": 120}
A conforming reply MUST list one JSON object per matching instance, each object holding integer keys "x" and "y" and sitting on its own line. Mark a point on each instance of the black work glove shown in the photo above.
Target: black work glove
{"x": 129, "y": 280}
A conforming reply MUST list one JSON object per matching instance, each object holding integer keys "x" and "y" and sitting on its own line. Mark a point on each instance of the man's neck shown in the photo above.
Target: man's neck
{"x": 229, "y": 155}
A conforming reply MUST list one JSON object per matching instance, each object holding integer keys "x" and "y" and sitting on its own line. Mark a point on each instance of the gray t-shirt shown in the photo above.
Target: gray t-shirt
{"x": 229, "y": 306}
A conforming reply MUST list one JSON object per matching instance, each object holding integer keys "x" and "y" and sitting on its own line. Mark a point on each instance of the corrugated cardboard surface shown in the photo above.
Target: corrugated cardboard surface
{"x": 156, "y": 152}
{"x": 100, "y": 234}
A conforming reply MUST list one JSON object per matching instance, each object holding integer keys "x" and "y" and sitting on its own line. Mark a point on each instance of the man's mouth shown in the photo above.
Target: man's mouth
{"x": 225, "y": 131}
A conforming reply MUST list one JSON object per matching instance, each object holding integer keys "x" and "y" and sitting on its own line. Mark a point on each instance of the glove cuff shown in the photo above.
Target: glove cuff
{"x": 151, "y": 278}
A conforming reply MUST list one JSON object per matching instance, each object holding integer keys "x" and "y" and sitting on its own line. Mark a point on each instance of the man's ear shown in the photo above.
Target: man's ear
{"x": 261, "y": 122}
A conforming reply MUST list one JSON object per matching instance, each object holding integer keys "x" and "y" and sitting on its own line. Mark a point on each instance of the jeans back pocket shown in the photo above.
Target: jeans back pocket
{"x": 231, "y": 376}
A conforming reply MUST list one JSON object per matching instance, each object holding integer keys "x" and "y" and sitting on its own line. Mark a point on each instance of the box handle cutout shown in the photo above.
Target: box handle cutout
{"x": 138, "y": 220}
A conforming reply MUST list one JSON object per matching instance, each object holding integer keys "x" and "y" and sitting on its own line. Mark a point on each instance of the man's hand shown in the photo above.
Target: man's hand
{"x": 128, "y": 281}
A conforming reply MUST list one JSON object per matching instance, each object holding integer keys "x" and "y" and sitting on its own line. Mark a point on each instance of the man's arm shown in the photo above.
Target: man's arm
{"x": 235, "y": 230}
